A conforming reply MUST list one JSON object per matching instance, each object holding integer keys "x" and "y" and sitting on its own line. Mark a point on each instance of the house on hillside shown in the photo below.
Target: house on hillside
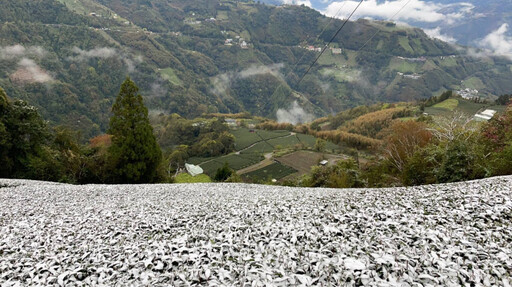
{"x": 231, "y": 122}
{"x": 336, "y": 51}
{"x": 468, "y": 94}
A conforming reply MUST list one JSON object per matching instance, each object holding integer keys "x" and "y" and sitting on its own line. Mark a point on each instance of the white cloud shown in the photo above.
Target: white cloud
{"x": 10, "y": 52}
{"x": 19, "y": 51}
{"x": 130, "y": 65}
{"x": 157, "y": 90}
{"x": 29, "y": 72}
{"x": 498, "y": 42}
{"x": 415, "y": 10}
{"x": 102, "y": 53}
{"x": 261, "y": 70}
{"x": 436, "y": 33}
{"x": 221, "y": 83}
{"x": 294, "y": 115}
{"x": 105, "y": 53}
{"x": 298, "y": 2}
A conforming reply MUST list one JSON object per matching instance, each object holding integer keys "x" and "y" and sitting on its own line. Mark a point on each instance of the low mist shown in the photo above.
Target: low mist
{"x": 294, "y": 115}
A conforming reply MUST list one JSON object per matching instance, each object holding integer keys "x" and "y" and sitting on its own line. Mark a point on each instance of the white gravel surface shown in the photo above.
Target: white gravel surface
{"x": 250, "y": 235}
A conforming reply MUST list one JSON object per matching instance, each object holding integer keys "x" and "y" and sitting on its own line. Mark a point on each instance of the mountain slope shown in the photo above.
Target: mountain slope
{"x": 465, "y": 22}
{"x": 71, "y": 62}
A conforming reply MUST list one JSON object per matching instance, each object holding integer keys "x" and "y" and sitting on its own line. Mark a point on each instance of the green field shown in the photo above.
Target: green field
{"x": 468, "y": 107}
{"x": 449, "y": 104}
{"x": 285, "y": 142}
{"x": 271, "y": 134}
{"x": 437, "y": 111}
{"x": 83, "y": 7}
{"x": 328, "y": 59}
{"x": 380, "y": 44}
{"x": 404, "y": 42}
{"x": 342, "y": 75}
{"x": 429, "y": 65}
{"x": 244, "y": 138}
{"x": 273, "y": 171}
{"x": 197, "y": 160}
{"x": 169, "y": 75}
{"x": 259, "y": 148}
{"x": 448, "y": 62}
{"x": 187, "y": 178}
{"x": 234, "y": 161}
{"x": 472, "y": 108}
{"x": 418, "y": 47}
{"x": 474, "y": 83}
{"x": 254, "y": 145}
{"x": 309, "y": 142}
{"x": 402, "y": 66}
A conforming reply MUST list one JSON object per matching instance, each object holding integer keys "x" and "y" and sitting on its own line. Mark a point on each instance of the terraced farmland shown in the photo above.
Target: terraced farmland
{"x": 273, "y": 171}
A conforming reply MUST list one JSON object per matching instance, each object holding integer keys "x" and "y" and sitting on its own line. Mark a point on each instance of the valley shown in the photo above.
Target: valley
{"x": 190, "y": 58}
{"x": 234, "y": 143}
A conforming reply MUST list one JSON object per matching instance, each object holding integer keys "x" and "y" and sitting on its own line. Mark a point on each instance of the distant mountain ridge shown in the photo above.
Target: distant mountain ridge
{"x": 192, "y": 57}
{"x": 483, "y": 18}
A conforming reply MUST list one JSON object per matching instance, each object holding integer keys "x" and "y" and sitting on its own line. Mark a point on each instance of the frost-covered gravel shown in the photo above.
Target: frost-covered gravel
{"x": 243, "y": 235}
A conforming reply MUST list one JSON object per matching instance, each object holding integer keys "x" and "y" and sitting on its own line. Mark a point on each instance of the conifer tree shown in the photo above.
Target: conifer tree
{"x": 135, "y": 154}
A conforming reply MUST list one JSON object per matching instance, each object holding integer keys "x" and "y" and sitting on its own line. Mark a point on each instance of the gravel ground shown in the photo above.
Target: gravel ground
{"x": 250, "y": 235}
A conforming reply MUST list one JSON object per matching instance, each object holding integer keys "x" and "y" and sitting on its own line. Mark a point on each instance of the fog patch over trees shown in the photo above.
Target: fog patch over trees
{"x": 294, "y": 115}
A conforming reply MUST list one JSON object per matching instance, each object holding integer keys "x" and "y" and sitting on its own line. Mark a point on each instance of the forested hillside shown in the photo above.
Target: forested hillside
{"x": 69, "y": 58}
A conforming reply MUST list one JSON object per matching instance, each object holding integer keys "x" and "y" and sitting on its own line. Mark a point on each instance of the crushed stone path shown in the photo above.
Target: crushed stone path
{"x": 251, "y": 235}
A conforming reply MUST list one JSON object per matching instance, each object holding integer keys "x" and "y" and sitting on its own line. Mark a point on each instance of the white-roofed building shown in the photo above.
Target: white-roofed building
{"x": 485, "y": 115}
{"x": 193, "y": 170}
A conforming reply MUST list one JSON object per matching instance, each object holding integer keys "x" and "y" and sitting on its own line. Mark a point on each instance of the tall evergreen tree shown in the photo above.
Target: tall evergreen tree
{"x": 135, "y": 154}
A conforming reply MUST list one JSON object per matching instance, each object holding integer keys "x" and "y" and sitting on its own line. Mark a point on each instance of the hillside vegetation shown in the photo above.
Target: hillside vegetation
{"x": 69, "y": 58}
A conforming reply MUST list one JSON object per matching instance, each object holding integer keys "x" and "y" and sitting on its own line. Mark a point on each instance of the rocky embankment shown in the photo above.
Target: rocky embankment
{"x": 251, "y": 235}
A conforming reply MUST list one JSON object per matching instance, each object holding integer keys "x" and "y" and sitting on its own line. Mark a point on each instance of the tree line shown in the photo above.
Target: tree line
{"x": 425, "y": 151}
{"x": 130, "y": 151}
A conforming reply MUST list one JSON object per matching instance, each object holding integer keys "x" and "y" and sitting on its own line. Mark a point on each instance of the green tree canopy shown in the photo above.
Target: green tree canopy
{"x": 135, "y": 154}
{"x": 22, "y": 134}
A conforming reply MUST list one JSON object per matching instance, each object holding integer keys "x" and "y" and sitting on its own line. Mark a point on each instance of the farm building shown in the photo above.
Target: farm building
{"x": 485, "y": 115}
{"x": 193, "y": 170}
{"x": 231, "y": 122}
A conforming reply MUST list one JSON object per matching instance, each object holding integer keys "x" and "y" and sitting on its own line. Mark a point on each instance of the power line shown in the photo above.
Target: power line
{"x": 330, "y": 41}
{"x": 379, "y": 29}
{"x": 318, "y": 37}
{"x": 304, "y": 54}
